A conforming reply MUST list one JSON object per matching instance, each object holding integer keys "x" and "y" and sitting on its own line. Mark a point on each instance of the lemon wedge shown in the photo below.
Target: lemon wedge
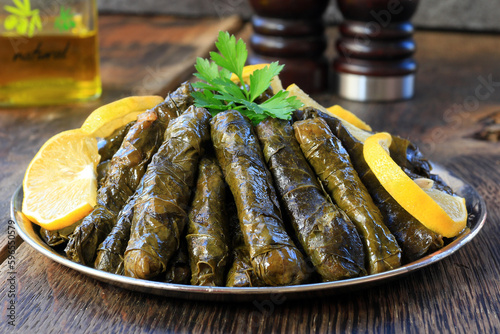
{"x": 103, "y": 121}
{"x": 340, "y": 112}
{"x": 335, "y": 111}
{"x": 276, "y": 84}
{"x": 60, "y": 184}
{"x": 440, "y": 212}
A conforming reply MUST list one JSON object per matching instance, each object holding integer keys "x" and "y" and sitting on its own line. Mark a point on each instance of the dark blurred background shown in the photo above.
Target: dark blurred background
{"x": 471, "y": 15}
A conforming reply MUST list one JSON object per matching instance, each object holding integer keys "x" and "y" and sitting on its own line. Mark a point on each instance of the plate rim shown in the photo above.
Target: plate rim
{"x": 24, "y": 228}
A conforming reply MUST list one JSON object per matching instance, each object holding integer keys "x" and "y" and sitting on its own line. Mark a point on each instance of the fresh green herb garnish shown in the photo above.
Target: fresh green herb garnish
{"x": 218, "y": 93}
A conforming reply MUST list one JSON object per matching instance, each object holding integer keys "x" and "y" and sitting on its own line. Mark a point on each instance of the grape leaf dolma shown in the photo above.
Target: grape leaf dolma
{"x": 60, "y": 237}
{"x": 178, "y": 270}
{"x": 327, "y": 235}
{"x": 414, "y": 238}
{"x": 160, "y": 209}
{"x": 124, "y": 174}
{"x": 241, "y": 273}
{"x": 207, "y": 227}
{"x": 111, "y": 250}
{"x": 107, "y": 148}
{"x": 125, "y": 171}
{"x": 275, "y": 258}
{"x": 332, "y": 164}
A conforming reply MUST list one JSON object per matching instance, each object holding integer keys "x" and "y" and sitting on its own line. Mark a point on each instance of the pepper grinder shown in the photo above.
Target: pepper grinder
{"x": 291, "y": 32}
{"x": 375, "y": 50}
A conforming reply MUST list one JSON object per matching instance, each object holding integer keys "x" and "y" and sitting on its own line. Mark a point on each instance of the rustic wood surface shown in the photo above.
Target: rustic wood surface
{"x": 460, "y": 294}
{"x": 145, "y": 55}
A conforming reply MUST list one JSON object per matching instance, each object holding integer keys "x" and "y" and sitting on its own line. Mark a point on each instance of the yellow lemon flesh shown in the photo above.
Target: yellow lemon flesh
{"x": 60, "y": 184}
{"x": 335, "y": 111}
{"x": 276, "y": 84}
{"x": 103, "y": 121}
{"x": 440, "y": 212}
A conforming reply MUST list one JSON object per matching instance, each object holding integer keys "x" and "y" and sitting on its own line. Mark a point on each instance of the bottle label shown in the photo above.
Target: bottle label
{"x": 40, "y": 54}
{"x": 24, "y": 20}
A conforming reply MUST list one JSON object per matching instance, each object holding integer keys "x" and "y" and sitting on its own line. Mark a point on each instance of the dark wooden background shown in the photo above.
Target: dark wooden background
{"x": 460, "y": 294}
{"x": 472, "y": 15}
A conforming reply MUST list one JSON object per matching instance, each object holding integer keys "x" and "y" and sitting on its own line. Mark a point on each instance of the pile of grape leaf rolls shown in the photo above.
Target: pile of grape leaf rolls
{"x": 186, "y": 197}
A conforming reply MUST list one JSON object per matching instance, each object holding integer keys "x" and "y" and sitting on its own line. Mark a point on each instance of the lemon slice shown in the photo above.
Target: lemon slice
{"x": 103, "y": 121}
{"x": 335, "y": 111}
{"x": 348, "y": 116}
{"x": 440, "y": 212}
{"x": 60, "y": 185}
{"x": 276, "y": 84}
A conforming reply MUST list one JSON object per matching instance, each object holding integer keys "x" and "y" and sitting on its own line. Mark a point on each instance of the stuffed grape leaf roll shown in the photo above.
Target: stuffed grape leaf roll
{"x": 207, "y": 228}
{"x": 59, "y": 237}
{"x": 274, "y": 257}
{"x": 241, "y": 273}
{"x": 327, "y": 235}
{"x": 178, "y": 270}
{"x": 160, "y": 212}
{"x": 107, "y": 148}
{"x": 414, "y": 238}
{"x": 111, "y": 250}
{"x": 124, "y": 174}
{"x": 332, "y": 164}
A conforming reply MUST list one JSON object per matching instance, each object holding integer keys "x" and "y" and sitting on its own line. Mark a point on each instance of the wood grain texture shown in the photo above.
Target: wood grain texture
{"x": 152, "y": 54}
{"x": 460, "y": 294}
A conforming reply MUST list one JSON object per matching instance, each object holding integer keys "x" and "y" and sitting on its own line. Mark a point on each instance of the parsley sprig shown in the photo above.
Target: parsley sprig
{"x": 217, "y": 92}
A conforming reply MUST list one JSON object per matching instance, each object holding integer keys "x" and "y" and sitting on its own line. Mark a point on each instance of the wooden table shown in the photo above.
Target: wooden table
{"x": 454, "y": 117}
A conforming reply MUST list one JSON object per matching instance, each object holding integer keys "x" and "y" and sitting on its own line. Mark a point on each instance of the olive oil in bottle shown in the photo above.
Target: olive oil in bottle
{"x": 51, "y": 57}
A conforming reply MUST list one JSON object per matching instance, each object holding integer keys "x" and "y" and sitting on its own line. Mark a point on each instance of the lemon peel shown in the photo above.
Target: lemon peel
{"x": 103, "y": 121}
{"x": 440, "y": 212}
{"x": 335, "y": 111}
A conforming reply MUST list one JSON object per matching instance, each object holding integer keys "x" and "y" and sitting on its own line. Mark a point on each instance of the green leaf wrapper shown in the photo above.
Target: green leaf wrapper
{"x": 241, "y": 273}
{"x": 160, "y": 210}
{"x": 274, "y": 257}
{"x": 207, "y": 239}
{"x": 333, "y": 166}
{"x": 111, "y": 250}
{"x": 178, "y": 271}
{"x": 327, "y": 235}
{"x": 414, "y": 238}
{"x": 124, "y": 174}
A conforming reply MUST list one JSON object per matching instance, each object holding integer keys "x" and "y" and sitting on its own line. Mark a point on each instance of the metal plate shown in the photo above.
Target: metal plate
{"x": 477, "y": 216}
